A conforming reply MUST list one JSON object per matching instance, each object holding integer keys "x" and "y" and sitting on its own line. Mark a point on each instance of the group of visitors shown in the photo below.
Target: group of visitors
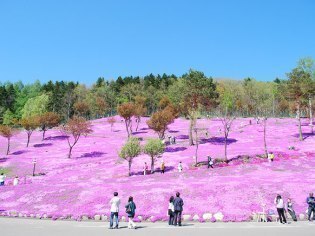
{"x": 171, "y": 139}
{"x": 3, "y": 177}
{"x": 310, "y": 200}
{"x": 175, "y": 209}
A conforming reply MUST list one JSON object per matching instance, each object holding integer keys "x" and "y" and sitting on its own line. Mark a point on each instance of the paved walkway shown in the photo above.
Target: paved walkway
{"x": 34, "y": 227}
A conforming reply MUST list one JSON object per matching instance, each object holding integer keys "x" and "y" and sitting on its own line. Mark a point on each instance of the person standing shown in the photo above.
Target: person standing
{"x": 16, "y": 181}
{"x": 180, "y": 167}
{"x": 311, "y": 206}
{"x": 291, "y": 210}
{"x": 178, "y": 209}
{"x": 2, "y": 179}
{"x": 162, "y": 167}
{"x": 145, "y": 168}
{"x": 280, "y": 209}
{"x": 114, "y": 209}
{"x": 131, "y": 210}
{"x": 171, "y": 211}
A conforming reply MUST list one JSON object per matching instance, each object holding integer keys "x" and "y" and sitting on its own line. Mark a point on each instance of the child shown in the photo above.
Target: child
{"x": 145, "y": 168}
{"x": 162, "y": 167}
{"x": 2, "y": 178}
{"x": 180, "y": 167}
{"x": 16, "y": 181}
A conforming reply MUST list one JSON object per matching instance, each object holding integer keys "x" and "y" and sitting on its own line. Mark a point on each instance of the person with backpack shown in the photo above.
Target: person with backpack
{"x": 178, "y": 209}
{"x": 171, "y": 211}
{"x": 280, "y": 209}
{"x": 291, "y": 210}
{"x": 131, "y": 210}
{"x": 114, "y": 209}
{"x": 311, "y": 206}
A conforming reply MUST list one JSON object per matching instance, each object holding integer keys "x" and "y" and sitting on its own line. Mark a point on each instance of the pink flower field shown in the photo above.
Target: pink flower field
{"x": 83, "y": 185}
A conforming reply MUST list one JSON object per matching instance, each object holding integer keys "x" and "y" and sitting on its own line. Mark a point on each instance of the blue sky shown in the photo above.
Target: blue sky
{"x": 82, "y": 40}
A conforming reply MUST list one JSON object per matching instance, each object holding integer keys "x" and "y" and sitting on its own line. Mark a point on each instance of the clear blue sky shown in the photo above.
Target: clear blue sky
{"x": 82, "y": 40}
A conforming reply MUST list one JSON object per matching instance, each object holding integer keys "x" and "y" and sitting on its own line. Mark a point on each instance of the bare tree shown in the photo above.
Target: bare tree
{"x": 76, "y": 127}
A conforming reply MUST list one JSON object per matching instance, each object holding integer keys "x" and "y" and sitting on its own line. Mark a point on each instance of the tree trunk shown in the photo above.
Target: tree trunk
{"x": 8, "y": 148}
{"x": 70, "y": 151}
{"x": 225, "y": 147}
{"x": 191, "y": 124}
{"x": 44, "y": 131}
{"x": 129, "y": 168}
{"x": 28, "y": 139}
{"x": 299, "y": 119}
{"x": 196, "y": 153}
{"x": 127, "y": 128}
{"x": 138, "y": 122}
{"x": 265, "y": 142}
{"x": 311, "y": 113}
{"x": 152, "y": 165}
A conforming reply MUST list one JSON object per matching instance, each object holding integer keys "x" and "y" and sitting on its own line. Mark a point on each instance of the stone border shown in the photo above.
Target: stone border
{"x": 206, "y": 217}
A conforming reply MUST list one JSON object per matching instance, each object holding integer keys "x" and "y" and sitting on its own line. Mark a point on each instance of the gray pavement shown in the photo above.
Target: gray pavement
{"x": 34, "y": 227}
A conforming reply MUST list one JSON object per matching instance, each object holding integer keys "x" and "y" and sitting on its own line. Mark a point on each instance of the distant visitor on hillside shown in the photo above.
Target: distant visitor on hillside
{"x": 291, "y": 210}
{"x": 16, "y": 181}
{"x": 131, "y": 210}
{"x": 2, "y": 179}
{"x": 210, "y": 162}
{"x": 178, "y": 209}
{"x": 145, "y": 168}
{"x": 114, "y": 209}
{"x": 180, "y": 167}
{"x": 162, "y": 167}
{"x": 280, "y": 209}
{"x": 311, "y": 206}
{"x": 271, "y": 157}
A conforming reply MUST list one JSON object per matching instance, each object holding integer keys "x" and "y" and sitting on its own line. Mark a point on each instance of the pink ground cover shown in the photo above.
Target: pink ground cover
{"x": 83, "y": 185}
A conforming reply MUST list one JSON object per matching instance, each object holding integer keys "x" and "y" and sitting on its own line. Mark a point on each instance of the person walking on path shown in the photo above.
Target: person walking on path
{"x": 171, "y": 211}
{"x": 311, "y": 206}
{"x": 162, "y": 167}
{"x": 210, "y": 162}
{"x": 114, "y": 209}
{"x": 180, "y": 167}
{"x": 291, "y": 210}
{"x": 2, "y": 179}
{"x": 178, "y": 209}
{"x": 280, "y": 209}
{"x": 131, "y": 210}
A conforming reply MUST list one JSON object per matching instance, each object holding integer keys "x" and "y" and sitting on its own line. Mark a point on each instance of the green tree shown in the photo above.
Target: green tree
{"x": 154, "y": 148}
{"x": 199, "y": 91}
{"x": 129, "y": 151}
{"x": 8, "y": 117}
{"x": 29, "y": 123}
{"x": 298, "y": 90}
{"x": 35, "y": 106}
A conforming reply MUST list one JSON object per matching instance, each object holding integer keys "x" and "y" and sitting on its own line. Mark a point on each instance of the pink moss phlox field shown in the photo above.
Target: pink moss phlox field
{"x": 83, "y": 185}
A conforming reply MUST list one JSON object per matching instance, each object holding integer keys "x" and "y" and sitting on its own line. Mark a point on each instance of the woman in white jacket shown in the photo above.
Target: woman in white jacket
{"x": 280, "y": 209}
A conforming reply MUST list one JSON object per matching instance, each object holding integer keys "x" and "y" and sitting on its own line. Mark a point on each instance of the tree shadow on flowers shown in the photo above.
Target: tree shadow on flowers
{"x": 59, "y": 137}
{"x": 218, "y": 141}
{"x": 19, "y": 152}
{"x": 176, "y": 149}
{"x": 305, "y": 135}
{"x": 42, "y": 145}
{"x": 92, "y": 155}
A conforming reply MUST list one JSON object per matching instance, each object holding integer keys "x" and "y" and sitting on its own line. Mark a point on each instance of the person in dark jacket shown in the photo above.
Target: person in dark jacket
{"x": 178, "y": 209}
{"x": 311, "y": 206}
{"x": 291, "y": 210}
{"x": 131, "y": 210}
